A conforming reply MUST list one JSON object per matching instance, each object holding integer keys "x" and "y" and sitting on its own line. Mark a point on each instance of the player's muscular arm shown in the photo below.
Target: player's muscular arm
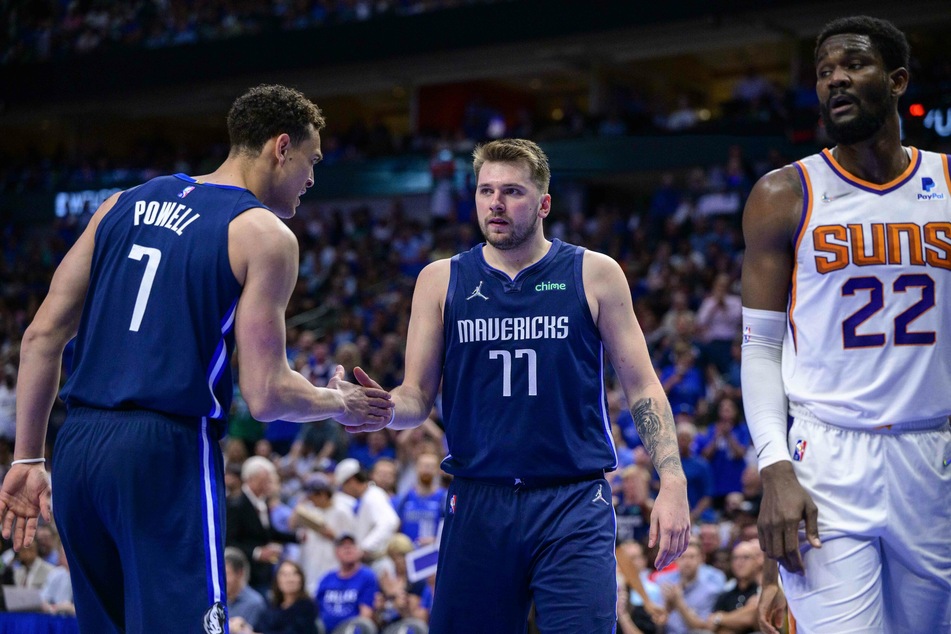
{"x": 424, "y": 348}
{"x": 609, "y": 298}
{"x": 264, "y": 258}
{"x": 770, "y": 219}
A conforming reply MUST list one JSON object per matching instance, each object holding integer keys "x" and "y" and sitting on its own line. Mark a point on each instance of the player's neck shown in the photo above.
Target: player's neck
{"x": 880, "y": 159}
{"x": 514, "y": 261}
{"x": 236, "y": 171}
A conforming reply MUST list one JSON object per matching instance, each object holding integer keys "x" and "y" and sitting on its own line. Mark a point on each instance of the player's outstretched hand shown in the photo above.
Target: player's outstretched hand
{"x": 785, "y": 504}
{"x": 25, "y": 495}
{"x": 771, "y": 610}
{"x": 368, "y": 406}
{"x": 670, "y": 522}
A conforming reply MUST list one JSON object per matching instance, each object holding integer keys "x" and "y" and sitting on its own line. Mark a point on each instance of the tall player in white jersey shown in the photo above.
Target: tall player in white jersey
{"x": 847, "y": 329}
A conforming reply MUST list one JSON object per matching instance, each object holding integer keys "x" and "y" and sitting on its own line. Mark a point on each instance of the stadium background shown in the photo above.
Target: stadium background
{"x": 657, "y": 119}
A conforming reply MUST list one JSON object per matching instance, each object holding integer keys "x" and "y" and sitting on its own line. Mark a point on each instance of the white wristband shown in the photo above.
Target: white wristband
{"x": 28, "y": 461}
{"x": 392, "y": 417}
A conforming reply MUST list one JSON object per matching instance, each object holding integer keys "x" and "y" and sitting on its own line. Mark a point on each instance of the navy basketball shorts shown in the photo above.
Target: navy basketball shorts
{"x": 138, "y": 499}
{"x": 504, "y": 546}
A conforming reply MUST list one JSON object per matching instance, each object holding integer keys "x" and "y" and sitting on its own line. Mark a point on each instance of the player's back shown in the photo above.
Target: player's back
{"x": 523, "y": 392}
{"x": 869, "y": 339}
{"x": 157, "y": 326}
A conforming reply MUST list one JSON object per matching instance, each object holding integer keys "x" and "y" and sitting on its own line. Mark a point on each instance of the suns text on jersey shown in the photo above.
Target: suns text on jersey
{"x": 512, "y": 328}
{"x": 171, "y": 215}
{"x": 880, "y": 243}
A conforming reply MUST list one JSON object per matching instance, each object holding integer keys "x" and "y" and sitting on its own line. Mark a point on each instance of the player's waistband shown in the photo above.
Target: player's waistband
{"x": 536, "y": 483}
{"x": 88, "y": 412}
{"x": 797, "y": 410}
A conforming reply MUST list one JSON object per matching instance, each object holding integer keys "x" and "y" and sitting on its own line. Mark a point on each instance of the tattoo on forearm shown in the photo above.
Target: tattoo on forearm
{"x": 656, "y": 429}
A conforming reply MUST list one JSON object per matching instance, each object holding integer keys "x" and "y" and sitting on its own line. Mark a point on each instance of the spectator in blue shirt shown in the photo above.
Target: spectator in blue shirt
{"x": 683, "y": 380}
{"x": 421, "y": 509}
{"x": 724, "y": 446}
{"x": 694, "y": 584}
{"x": 347, "y": 593}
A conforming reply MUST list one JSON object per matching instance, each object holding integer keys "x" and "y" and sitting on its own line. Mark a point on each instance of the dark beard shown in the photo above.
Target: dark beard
{"x": 515, "y": 239}
{"x": 869, "y": 120}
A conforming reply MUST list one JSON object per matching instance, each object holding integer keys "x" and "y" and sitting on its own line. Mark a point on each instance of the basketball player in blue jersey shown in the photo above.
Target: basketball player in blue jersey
{"x": 847, "y": 329}
{"x": 165, "y": 280}
{"x": 516, "y": 330}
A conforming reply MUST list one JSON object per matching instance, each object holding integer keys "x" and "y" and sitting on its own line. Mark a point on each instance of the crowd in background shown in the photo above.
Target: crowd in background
{"x": 306, "y": 550}
{"x": 54, "y": 29}
{"x": 681, "y": 249}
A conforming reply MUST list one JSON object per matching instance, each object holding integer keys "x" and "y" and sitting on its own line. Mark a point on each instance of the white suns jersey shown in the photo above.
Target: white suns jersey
{"x": 868, "y": 341}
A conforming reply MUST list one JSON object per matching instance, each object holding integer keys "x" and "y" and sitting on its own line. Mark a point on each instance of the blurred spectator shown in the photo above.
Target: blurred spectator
{"x": 633, "y": 505}
{"x": 421, "y": 509}
{"x": 47, "y": 543}
{"x": 643, "y": 598}
{"x": 376, "y": 521}
{"x": 243, "y": 601}
{"x": 347, "y": 594}
{"x": 29, "y": 571}
{"x": 711, "y": 539}
{"x": 291, "y": 611}
{"x": 384, "y": 475}
{"x": 724, "y": 446}
{"x": 57, "y": 591}
{"x": 697, "y": 471}
{"x": 719, "y": 319}
{"x": 322, "y": 515}
{"x": 368, "y": 448}
{"x": 683, "y": 380}
{"x": 400, "y": 602}
{"x": 8, "y": 401}
{"x": 249, "y": 523}
{"x": 734, "y": 611}
{"x": 694, "y": 586}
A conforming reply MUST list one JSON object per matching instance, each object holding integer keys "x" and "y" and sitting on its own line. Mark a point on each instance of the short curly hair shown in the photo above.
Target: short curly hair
{"x": 887, "y": 39}
{"x": 515, "y": 151}
{"x": 268, "y": 110}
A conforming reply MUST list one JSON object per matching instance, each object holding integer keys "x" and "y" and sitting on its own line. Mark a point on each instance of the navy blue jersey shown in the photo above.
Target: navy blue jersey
{"x": 157, "y": 327}
{"x": 523, "y": 390}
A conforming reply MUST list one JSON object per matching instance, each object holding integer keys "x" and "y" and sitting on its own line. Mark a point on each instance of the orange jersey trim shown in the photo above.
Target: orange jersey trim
{"x": 807, "y": 200}
{"x": 855, "y": 180}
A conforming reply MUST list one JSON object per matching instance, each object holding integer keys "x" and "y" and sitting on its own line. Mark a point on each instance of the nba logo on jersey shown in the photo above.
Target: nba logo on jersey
{"x": 186, "y": 191}
{"x": 800, "y": 452}
{"x": 452, "y": 505}
{"x": 747, "y": 333}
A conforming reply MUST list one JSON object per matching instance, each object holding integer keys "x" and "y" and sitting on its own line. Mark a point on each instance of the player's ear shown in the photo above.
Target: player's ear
{"x": 544, "y": 207}
{"x": 898, "y": 82}
{"x": 282, "y": 146}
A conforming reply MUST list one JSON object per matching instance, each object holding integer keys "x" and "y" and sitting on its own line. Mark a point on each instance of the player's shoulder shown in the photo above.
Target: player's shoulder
{"x": 775, "y": 202}
{"x": 260, "y": 228}
{"x": 781, "y": 182}
{"x": 436, "y": 272}
{"x": 599, "y": 266}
